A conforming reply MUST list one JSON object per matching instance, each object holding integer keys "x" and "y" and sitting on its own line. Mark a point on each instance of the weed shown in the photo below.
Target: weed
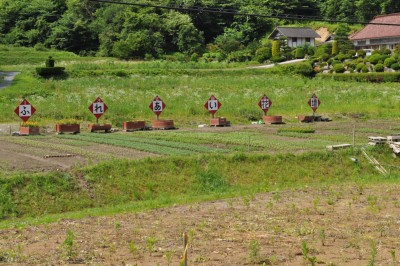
{"x": 304, "y": 250}
{"x": 168, "y": 255}
{"x": 150, "y": 244}
{"x": 393, "y": 256}
{"x": 316, "y": 203}
{"x": 322, "y": 236}
{"x": 133, "y": 249}
{"x": 254, "y": 250}
{"x": 373, "y": 204}
{"x": 68, "y": 245}
{"x": 373, "y": 253}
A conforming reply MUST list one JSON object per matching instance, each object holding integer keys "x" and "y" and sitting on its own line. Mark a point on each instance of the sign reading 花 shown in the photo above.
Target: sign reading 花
{"x": 314, "y": 102}
{"x": 157, "y": 105}
{"x": 265, "y": 103}
{"x": 98, "y": 107}
{"x": 212, "y": 105}
{"x": 25, "y": 110}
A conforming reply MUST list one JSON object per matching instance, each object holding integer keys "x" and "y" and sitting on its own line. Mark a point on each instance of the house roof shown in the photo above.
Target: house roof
{"x": 295, "y": 32}
{"x": 379, "y": 31}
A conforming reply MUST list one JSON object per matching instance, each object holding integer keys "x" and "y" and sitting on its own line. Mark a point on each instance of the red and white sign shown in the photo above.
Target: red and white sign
{"x": 157, "y": 105}
{"x": 314, "y": 102}
{"x": 25, "y": 110}
{"x": 212, "y": 105}
{"x": 98, "y": 107}
{"x": 265, "y": 103}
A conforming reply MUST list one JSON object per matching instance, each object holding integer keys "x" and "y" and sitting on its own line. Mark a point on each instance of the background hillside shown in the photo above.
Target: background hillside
{"x": 91, "y": 28}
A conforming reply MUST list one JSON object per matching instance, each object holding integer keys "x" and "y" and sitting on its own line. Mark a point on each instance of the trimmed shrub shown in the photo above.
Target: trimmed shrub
{"x": 277, "y": 59}
{"x": 325, "y": 57}
{"x": 330, "y": 60}
{"x": 335, "y": 48}
{"x": 387, "y": 51}
{"x": 364, "y": 77}
{"x": 299, "y": 53}
{"x": 351, "y": 53}
{"x": 395, "y": 66}
{"x": 341, "y": 57}
{"x": 50, "y": 71}
{"x": 359, "y": 66}
{"x": 351, "y": 70}
{"x": 374, "y": 58}
{"x": 389, "y": 61}
{"x": 379, "y": 68}
{"x": 339, "y": 68}
{"x": 275, "y": 48}
{"x": 365, "y": 69}
{"x": 361, "y": 53}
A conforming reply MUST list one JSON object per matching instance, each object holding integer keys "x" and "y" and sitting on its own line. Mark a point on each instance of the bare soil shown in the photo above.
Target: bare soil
{"x": 351, "y": 225}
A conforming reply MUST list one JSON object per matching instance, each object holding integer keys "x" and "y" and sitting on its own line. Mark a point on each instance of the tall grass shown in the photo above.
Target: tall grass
{"x": 128, "y": 88}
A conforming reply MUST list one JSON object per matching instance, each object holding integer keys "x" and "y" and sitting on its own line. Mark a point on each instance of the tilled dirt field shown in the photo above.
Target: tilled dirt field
{"x": 349, "y": 225}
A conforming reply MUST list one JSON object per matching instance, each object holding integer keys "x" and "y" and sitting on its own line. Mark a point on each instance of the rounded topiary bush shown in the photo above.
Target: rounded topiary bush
{"x": 299, "y": 53}
{"x": 359, "y": 66}
{"x": 339, "y": 68}
{"x": 365, "y": 69}
{"x": 395, "y": 66}
{"x": 374, "y": 59}
{"x": 379, "y": 68}
{"x": 389, "y": 61}
{"x": 361, "y": 53}
{"x": 325, "y": 56}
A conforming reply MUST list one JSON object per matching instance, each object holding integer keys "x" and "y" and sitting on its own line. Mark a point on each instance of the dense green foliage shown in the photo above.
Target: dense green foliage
{"x": 88, "y": 28}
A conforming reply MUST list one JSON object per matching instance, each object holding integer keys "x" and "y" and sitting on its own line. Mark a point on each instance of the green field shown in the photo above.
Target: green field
{"x": 128, "y": 88}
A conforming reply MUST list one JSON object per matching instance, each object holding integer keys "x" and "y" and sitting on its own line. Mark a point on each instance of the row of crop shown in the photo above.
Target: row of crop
{"x": 45, "y": 143}
{"x": 166, "y": 143}
{"x": 156, "y": 149}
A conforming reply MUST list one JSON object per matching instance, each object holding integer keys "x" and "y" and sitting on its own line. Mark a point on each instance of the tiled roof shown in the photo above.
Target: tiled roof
{"x": 379, "y": 31}
{"x": 298, "y": 32}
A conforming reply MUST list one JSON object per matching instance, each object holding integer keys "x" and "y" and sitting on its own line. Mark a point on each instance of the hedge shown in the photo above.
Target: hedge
{"x": 364, "y": 77}
{"x": 50, "y": 71}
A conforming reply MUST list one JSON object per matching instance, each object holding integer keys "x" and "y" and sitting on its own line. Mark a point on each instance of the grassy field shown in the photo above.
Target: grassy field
{"x": 129, "y": 87}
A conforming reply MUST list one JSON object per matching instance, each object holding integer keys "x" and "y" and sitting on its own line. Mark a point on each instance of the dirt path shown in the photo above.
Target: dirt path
{"x": 347, "y": 225}
{"x": 283, "y": 63}
{"x": 8, "y": 78}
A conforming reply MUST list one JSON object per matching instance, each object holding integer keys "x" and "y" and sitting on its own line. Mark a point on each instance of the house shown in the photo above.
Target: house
{"x": 295, "y": 36}
{"x": 378, "y": 36}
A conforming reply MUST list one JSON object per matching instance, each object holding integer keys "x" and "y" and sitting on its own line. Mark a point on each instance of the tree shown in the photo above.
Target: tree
{"x": 183, "y": 34}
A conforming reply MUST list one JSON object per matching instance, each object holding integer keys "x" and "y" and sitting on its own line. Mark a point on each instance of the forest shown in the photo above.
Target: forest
{"x": 89, "y": 27}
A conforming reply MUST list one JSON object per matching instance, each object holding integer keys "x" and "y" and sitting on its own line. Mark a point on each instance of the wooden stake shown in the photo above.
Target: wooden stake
{"x": 185, "y": 246}
{"x": 354, "y": 135}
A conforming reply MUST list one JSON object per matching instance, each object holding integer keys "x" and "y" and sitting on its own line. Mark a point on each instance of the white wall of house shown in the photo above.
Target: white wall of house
{"x": 381, "y": 43}
{"x": 296, "y": 42}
